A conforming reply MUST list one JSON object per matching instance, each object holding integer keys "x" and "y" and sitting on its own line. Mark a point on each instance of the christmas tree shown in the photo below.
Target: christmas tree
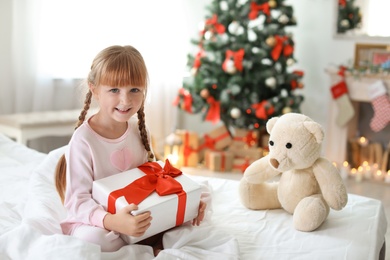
{"x": 349, "y": 16}
{"x": 242, "y": 71}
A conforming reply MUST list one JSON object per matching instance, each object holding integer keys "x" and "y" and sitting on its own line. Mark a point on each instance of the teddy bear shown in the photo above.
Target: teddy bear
{"x": 293, "y": 175}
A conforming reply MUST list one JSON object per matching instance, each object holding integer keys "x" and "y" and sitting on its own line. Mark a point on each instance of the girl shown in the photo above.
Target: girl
{"x": 109, "y": 142}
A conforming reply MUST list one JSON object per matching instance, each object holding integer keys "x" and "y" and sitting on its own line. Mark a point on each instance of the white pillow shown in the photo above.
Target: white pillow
{"x": 44, "y": 209}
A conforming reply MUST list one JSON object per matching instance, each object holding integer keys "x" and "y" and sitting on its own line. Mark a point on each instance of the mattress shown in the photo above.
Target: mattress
{"x": 30, "y": 213}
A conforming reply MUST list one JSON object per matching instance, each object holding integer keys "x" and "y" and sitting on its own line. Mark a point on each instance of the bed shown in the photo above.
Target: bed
{"x": 31, "y": 211}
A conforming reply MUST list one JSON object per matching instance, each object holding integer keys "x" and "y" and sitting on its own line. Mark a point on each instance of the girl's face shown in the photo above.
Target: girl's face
{"x": 118, "y": 103}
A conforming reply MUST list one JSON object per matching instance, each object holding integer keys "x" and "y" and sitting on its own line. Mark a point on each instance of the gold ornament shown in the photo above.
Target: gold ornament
{"x": 204, "y": 93}
{"x": 286, "y": 110}
{"x": 270, "y": 41}
{"x": 272, "y": 3}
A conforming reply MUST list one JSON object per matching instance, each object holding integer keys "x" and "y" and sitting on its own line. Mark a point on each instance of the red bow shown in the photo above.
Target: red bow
{"x": 255, "y": 8}
{"x": 187, "y": 100}
{"x": 342, "y": 71}
{"x": 218, "y": 27}
{"x": 250, "y": 138}
{"x": 214, "y": 110}
{"x": 237, "y": 56}
{"x": 156, "y": 179}
{"x": 261, "y": 111}
{"x": 299, "y": 73}
{"x": 294, "y": 83}
{"x": 279, "y": 46}
{"x": 343, "y": 3}
{"x": 209, "y": 142}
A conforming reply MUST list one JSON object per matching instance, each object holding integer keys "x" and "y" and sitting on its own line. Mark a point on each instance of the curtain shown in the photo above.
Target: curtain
{"x": 47, "y": 45}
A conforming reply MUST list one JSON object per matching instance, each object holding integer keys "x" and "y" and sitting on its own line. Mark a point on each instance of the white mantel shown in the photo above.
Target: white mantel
{"x": 337, "y": 136}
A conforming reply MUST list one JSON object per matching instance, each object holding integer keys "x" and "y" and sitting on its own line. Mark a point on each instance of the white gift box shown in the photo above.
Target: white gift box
{"x": 163, "y": 209}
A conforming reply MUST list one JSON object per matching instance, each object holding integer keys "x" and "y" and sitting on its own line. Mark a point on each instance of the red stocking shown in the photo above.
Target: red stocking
{"x": 381, "y": 105}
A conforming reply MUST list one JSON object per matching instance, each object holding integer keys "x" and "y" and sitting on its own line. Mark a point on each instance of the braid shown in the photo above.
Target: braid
{"x": 143, "y": 133}
{"x": 60, "y": 171}
{"x": 83, "y": 113}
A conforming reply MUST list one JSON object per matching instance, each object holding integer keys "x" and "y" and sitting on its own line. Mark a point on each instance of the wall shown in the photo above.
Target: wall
{"x": 316, "y": 48}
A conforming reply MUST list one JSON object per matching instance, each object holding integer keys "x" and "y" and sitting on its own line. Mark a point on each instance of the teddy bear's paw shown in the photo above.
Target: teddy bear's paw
{"x": 259, "y": 196}
{"x": 310, "y": 213}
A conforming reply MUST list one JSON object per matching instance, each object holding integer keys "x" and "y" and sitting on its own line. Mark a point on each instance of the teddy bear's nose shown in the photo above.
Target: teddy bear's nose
{"x": 274, "y": 163}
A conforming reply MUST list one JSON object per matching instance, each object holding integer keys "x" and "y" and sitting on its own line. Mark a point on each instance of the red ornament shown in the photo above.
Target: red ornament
{"x": 216, "y": 27}
{"x": 237, "y": 56}
{"x": 255, "y": 9}
{"x": 263, "y": 109}
{"x": 281, "y": 45}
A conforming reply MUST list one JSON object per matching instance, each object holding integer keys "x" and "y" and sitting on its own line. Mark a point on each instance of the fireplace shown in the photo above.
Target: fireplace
{"x": 355, "y": 142}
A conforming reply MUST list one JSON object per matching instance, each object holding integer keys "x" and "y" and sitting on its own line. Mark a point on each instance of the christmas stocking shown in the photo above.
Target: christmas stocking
{"x": 380, "y": 104}
{"x": 346, "y": 111}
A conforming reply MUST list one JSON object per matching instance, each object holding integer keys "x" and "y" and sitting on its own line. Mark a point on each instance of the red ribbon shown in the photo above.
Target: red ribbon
{"x": 213, "y": 114}
{"x": 187, "y": 148}
{"x": 339, "y": 89}
{"x": 255, "y": 9}
{"x": 343, "y": 3}
{"x": 187, "y": 100}
{"x": 223, "y": 159}
{"x": 242, "y": 167}
{"x": 281, "y": 46}
{"x": 261, "y": 111}
{"x": 218, "y": 27}
{"x": 156, "y": 179}
{"x": 209, "y": 142}
{"x": 237, "y": 56}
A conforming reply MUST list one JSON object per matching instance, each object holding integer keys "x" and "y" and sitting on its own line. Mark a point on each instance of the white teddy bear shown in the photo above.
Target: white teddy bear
{"x": 308, "y": 184}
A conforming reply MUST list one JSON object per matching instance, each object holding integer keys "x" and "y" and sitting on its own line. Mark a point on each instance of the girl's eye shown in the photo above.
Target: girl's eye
{"x": 114, "y": 90}
{"x": 134, "y": 90}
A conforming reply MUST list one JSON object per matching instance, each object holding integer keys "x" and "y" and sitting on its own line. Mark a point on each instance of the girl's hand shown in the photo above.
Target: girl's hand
{"x": 201, "y": 213}
{"x": 125, "y": 223}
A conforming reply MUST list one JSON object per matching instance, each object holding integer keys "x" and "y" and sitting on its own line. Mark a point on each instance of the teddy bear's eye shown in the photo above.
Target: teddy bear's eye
{"x": 271, "y": 143}
{"x": 288, "y": 145}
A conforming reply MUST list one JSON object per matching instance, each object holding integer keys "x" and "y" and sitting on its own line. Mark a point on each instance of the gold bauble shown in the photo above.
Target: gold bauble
{"x": 270, "y": 41}
{"x": 204, "y": 93}
{"x": 272, "y": 3}
{"x": 286, "y": 110}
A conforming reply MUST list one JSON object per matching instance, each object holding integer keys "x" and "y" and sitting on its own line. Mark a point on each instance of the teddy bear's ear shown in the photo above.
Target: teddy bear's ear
{"x": 315, "y": 129}
{"x": 270, "y": 123}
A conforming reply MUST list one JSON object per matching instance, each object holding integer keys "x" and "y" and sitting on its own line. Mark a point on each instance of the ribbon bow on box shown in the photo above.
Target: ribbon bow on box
{"x": 156, "y": 179}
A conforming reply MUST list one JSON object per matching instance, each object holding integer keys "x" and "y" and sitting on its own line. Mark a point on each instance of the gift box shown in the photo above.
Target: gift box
{"x": 220, "y": 161}
{"x": 244, "y": 138}
{"x": 171, "y": 197}
{"x": 240, "y": 164}
{"x": 250, "y": 153}
{"x": 189, "y": 149}
{"x": 217, "y": 139}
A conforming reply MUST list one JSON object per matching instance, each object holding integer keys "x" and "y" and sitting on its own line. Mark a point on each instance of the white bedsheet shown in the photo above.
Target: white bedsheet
{"x": 30, "y": 213}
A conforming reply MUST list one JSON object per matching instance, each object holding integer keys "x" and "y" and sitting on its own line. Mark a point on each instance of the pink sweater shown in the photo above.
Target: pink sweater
{"x": 91, "y": 157}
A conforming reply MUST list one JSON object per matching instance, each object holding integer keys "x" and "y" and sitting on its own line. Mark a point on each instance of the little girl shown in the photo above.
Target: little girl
{"x": 109, "y": 142}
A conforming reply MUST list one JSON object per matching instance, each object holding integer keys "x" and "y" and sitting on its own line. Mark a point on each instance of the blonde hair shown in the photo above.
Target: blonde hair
{"x": 117, "y": 66}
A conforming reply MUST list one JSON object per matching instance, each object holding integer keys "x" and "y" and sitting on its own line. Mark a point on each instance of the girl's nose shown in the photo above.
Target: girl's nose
{"x": 125, "y": 98}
